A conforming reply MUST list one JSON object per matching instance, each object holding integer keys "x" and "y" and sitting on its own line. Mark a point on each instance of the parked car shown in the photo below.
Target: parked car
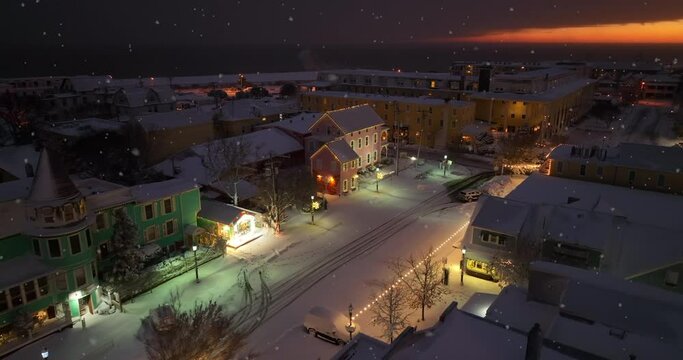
{"x": 320, "y": 322}
{"x": 468, "y": 195}
{"x": 362, "y": 172}
{"x": 372, "y": 168}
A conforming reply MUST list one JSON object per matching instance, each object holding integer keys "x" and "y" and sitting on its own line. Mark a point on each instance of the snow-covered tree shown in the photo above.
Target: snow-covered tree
{"x": 391, "y": 311}
{"x": 512, "y": 267}
{"x": 128, "y": 262}
{"x": 224, "y": 162}
{"x": 424, "y": 282}
{"x": 203, "y": 332}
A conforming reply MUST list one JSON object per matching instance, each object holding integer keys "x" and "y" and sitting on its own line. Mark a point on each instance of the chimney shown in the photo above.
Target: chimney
{"x": 534, "y": 343}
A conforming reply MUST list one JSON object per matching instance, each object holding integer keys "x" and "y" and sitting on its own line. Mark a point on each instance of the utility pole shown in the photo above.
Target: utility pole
{"x": 274, "y": 202}
{"x": 421, "y": 135}
{"x": 397, "y": 134}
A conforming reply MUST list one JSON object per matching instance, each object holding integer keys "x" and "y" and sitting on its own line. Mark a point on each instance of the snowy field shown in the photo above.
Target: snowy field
{"x": 410, "y": 216}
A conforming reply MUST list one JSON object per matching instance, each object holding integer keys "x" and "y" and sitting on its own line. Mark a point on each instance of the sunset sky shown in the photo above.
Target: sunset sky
{"x": 660, "y": 32}
{"x": 53, "y": 23}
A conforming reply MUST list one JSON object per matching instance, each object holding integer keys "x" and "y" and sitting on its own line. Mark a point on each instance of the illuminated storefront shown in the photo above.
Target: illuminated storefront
{"x": 235, "y": 225}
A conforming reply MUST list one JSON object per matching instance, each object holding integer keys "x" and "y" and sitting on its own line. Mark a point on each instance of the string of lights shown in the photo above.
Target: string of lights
{"x": 407, "y": 273}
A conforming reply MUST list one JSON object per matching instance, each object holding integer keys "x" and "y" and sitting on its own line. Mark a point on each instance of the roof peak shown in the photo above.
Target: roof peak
{"x": 51, "y": 181}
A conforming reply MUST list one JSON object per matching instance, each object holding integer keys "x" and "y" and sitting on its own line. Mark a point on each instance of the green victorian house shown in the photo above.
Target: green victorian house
{"x": 55, "y": 234}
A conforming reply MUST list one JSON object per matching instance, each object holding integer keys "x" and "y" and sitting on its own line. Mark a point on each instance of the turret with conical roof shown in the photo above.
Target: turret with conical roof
{"x": 54, "y": 201}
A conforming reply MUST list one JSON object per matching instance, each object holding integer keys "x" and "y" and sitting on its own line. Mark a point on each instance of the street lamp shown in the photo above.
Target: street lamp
{"x": 379, "y": 177}
{"x": 313, "y": 207}
{"x": 44, "y": 353}
{"x": 445, "y": 159}
{"x": 463, "y": 264}
{"x": 350, "y": 328}
{"x": 196, "y": 268}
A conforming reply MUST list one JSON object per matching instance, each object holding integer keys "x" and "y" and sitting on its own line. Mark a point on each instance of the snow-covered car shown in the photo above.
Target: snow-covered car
{"x": 372, "y": 168}
{"x": 362, "y": 172}
{"x": 468, "y": 195}
{"x": 320, "y": 322}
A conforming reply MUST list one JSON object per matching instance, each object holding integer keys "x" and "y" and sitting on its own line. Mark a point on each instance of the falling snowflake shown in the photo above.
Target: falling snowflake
{"x": 291, "y": 18}
{"x": 156, "y": 22}
{"x": 511, "y": 9}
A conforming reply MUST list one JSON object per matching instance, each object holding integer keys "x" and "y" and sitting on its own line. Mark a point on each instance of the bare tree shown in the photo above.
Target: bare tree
{"x": 203, "y": 332}
{"x": 391, "y": 310}
{"x": 512, "y": 267}
{"x": 276, "y": 195}
{"x": 515, "y": 150}
{"x": 225, "y": 163}
{"x": 424, "y": 281}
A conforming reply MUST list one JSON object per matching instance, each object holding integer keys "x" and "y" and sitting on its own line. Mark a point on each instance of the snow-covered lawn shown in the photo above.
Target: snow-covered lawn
{"x": 299, "y": 246}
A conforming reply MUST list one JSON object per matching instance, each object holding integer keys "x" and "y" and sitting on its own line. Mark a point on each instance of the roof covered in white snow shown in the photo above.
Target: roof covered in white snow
{"x": 13, "y": 159}
{"x": 177, "y": 119}
{"x": 152, "y": 191}
{"x": 341, "y": 150}
{"x": 501, "y": 215}
{"x": 299, "y": 124}
{"x": 355, "y": 118}
{"x": 630, "y": 155}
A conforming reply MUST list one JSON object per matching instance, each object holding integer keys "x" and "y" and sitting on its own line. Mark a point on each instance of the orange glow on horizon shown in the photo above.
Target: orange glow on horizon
{"x": 660, "y": 32}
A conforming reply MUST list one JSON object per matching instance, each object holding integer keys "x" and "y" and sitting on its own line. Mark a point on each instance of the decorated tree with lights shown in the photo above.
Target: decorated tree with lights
{"x": 512, "y": 267}
{"x": 424, "y": 280}
{"x": 391, "y": 310}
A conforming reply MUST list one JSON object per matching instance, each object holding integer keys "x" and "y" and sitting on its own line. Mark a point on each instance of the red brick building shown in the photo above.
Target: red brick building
{"x": 342, "y": 142}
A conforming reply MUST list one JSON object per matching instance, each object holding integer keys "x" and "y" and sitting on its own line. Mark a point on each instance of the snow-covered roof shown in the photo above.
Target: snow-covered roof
{"x": 152, "y": 191}
{"x": 262, "y": 143}
{"x": 355, "y": 118}
{"x": 19, "y": 269}
{"x": 457, "y": 335}
{"x": 13, "y": 159}
{"x": 341, "y": 150}
{"x": 51, "y": 181}
{"x": 299, "y": 124}
{"x": 221, "y": 212}
{"x": 100, "y": 194}
{"x": 422, "y": 100}
{"x": 235, "y": 110}
{"x": 87, "y": 83}
{"x": 245, "y": 189}
{"x": 589, "y": 310}
{"x": 392, "y": 74}
{"x": 253, "y": 78}
{"x": 85, "y": 127}
{"x": 631, "y": 155}
{"x": 535, "y": 74}
{"x": 177, "y": 119}
{"x": 12, "y": 212}
{"x": 186, "y": 167}
{"x": 638, "y": 206}
{"x": 552, "y": 94}
{"x": 501, "y": 215}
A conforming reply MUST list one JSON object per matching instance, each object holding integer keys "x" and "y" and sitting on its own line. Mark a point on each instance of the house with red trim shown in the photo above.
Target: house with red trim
{"x": 342, "y": 142}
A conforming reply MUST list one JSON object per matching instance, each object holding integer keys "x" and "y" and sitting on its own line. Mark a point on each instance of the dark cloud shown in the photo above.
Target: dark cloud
{"x": 220, "y": 22}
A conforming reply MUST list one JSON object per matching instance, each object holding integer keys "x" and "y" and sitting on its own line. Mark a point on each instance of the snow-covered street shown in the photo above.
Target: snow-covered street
{"x": 333, "y": 262}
